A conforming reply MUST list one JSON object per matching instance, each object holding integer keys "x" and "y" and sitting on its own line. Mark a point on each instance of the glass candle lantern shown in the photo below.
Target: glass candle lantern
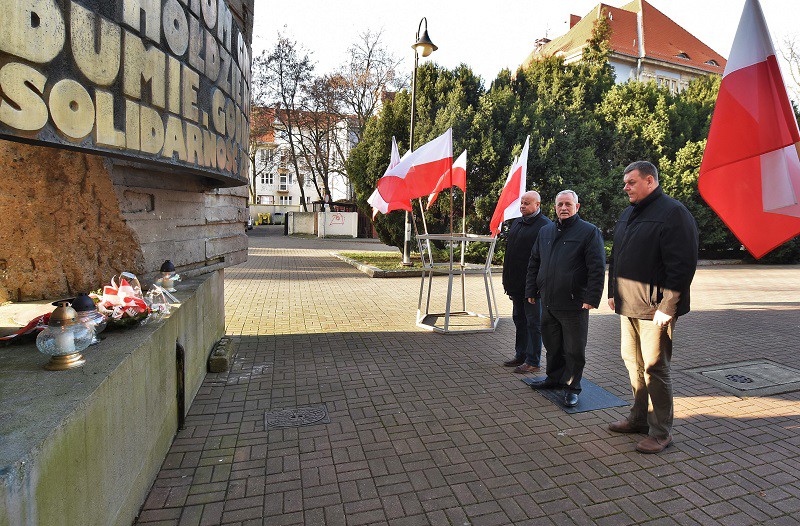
{"x": 88, "y": 315}
{"x": 64, "y": 339}
{"x": 168, "y": 276}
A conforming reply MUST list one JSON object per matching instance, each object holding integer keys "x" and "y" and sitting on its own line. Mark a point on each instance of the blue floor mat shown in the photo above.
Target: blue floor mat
{"x": 591, "y": 397}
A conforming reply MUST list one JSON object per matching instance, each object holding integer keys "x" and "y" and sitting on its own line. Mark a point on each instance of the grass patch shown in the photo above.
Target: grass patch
{"x": 314, "y": 236}
{"x": 383, "y": 260}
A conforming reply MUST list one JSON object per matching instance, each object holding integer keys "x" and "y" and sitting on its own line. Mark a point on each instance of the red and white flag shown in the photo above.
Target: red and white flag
{"x": 508, "y": 204}
{"x": 416, "y": 174}
{"x": 750, "y": 174}
{"x": 395, "y": 194}
{"x": 423, "y": 168}
{"x": 455, "y": 177}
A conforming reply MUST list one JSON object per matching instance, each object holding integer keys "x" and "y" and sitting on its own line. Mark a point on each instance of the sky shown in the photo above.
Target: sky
{"x": 486, "y": 35}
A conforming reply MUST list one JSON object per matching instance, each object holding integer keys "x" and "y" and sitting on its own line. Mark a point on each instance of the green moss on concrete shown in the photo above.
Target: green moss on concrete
{"x": 88, "y": 443}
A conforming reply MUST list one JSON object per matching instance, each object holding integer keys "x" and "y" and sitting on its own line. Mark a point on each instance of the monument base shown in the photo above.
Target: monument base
{"x": 83, "y": 446}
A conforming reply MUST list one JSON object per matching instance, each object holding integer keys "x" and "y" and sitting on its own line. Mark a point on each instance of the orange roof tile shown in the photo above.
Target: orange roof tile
{"x": 261, "y": 124}
{"x": 663, "y": 38}
{"x": 262, "y": 121}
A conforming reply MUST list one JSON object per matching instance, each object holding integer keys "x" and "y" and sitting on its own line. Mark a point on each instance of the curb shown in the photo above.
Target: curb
{"x": 717, "y": 262}
{"x": 375, "y": 272}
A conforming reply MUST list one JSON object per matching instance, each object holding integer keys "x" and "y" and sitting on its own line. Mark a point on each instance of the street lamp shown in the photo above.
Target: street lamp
{"x": 425, "y": 47}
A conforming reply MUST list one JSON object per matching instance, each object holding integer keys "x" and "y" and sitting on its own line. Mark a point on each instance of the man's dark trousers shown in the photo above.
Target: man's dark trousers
{"x": 564, "y": 334}
{"x": 528, "y": 320}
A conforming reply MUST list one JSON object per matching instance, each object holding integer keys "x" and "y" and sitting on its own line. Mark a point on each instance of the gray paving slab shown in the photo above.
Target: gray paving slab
{"x": 429, "y": 429}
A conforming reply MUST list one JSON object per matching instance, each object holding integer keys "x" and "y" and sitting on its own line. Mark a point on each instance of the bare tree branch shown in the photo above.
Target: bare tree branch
{"x": 791, "y": 54}
{"x": 370, "y": 71}
{"x": 280, "y": 77}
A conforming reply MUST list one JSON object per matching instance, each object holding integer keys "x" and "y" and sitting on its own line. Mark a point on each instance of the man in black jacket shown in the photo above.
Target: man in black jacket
{"x": 526, "y": 316}
{"x": 650, "y": 270}
{"x": 567, "y": 268}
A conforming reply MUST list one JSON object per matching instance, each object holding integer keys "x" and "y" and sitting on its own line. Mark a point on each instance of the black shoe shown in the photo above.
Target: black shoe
{"x": 544, "y": 384}
{"x": 513, "y": 363}
{"x": 570, "y": 399}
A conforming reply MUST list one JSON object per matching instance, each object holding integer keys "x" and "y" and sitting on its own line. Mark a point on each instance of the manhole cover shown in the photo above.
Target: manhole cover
{"x": 297, "y": 416}
{"x": 752, "y": 378}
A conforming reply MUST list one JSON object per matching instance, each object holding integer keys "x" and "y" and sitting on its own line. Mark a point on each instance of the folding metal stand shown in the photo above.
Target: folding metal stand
{"x": 451, "y": 269}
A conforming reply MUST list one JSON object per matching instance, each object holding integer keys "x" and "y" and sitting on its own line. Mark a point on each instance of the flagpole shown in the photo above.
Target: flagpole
{"x": 451, "y": 198}
{"x": 422, "y": 45}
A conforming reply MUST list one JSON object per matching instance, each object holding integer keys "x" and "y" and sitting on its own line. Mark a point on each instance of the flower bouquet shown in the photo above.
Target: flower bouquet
{"x": 122, "y": 303}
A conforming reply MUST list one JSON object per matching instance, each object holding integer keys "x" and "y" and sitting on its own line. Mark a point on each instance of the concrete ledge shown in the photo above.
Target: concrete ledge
{"x": 84, "y": 446}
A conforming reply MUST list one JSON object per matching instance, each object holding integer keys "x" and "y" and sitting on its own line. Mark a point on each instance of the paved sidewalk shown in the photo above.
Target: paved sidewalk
{"x": 430, "y": 429}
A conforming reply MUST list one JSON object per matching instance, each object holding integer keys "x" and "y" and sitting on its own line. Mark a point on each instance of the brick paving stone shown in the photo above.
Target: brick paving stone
{"x": 418, "y": 436}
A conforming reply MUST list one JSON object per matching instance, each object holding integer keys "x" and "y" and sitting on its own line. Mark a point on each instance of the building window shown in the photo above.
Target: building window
{"x": 285, "y": 200}
{"x": 267, "y": 178}
{"x": 668, "y": 83}
{"x": 712, "y": 62}
{"x": 291, "y": 178}
{"x": 266, "y": 199}
{"x": 267, "y": 155}
{"x": 683, "y": 56}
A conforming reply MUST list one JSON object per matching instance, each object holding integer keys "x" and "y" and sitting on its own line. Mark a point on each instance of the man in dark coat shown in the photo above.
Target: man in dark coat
{"x": 651, "y": 268}
{"x": 567, "y": 268}
{"x": 526, "y": 316}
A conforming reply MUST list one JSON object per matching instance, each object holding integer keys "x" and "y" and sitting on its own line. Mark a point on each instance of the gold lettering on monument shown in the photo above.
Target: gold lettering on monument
{"x": 23, "y": 87}
{"x": 164, "y": 80}
{"x": 72, "y": 109}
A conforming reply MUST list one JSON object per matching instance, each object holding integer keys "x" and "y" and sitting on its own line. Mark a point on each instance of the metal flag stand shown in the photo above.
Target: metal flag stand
{"x": 427, "y": 319}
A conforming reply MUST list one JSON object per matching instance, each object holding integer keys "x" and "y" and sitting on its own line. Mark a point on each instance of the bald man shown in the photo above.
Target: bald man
{"x": 527, "y": 316}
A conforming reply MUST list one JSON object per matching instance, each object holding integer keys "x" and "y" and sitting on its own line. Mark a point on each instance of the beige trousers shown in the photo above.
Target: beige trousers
{"x": 647, "y": 352}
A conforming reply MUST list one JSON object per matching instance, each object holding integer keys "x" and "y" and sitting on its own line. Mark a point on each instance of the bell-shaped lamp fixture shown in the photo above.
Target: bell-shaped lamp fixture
{"x": 424, "y": 46}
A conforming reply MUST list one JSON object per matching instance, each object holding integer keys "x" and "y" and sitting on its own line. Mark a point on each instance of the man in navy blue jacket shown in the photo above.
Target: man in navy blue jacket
{"x": 567, "y": 268}
{"x": 527, "y": 316}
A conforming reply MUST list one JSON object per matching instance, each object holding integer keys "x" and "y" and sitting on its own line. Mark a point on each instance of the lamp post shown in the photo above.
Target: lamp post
{"x": 424, "y": 46}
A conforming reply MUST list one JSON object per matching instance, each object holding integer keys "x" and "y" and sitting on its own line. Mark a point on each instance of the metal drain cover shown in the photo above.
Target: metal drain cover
{"x": 297, "y": 417}
{"x": 752, "y": 378}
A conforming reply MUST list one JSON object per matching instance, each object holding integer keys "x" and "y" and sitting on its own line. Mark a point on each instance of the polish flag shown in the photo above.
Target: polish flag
{"x": 422, "y": 169}
{"x": 750, "y": 174}
{"x": 508, "y": 204}
{"x": 395, "y": 194}
{"x": 456, "y": 177}
{"x": 416, "y": 174}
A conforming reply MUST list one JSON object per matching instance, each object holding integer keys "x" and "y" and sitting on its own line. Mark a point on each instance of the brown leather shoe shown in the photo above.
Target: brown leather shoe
{"x": 653, "y": 444}
{"x": 624, "y": 426}
{"x": 525, "y": 368}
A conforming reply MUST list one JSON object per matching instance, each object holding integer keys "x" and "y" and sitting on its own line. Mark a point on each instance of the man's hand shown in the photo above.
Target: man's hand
{"x": 611, "y": 303}
{"x": 587, "y": 306}
{"x": 532, "y": 300}
{"x": 661, "y": 319}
